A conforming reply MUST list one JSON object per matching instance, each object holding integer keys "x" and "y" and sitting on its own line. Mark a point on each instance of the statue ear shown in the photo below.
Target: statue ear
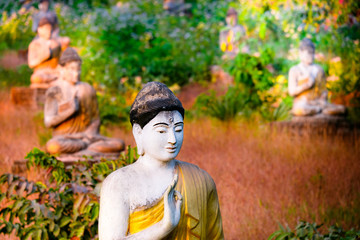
{"x": 137, "y": 131}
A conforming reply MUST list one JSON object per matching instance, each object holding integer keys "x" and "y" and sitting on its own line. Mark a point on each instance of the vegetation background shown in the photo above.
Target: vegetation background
{"x": 263, "y": 177}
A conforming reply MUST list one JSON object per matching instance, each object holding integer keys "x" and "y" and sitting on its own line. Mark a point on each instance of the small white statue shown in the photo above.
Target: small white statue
{"x": 307, "y": 84}
{"x": 159, "y": 197}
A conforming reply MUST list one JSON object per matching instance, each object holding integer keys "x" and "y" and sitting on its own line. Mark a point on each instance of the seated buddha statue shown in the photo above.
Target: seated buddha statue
{"x": 159, "y": 197}
{"x": 307, "y": 84}
{"x": 231, "y": 36}
{"x": 44, "y": 11}
{"x": 71, "y": 110}
{"x": 43, "y": 56}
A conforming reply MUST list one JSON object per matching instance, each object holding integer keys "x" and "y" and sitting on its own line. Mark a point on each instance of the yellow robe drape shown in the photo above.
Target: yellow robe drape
{"x": 200, "y": 211}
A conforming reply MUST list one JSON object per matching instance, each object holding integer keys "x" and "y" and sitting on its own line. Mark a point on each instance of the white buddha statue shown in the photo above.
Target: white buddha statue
{"x": 159, "y": 197}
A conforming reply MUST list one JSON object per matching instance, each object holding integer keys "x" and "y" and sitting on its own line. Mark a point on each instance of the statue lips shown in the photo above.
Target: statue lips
{"x": 171, "y": 149}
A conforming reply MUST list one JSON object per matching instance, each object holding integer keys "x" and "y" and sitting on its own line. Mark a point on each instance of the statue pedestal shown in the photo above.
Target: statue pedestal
{"x": 19, "y": 166}
{"x": 28, "y": 97}
{"x": 318, "y": 125}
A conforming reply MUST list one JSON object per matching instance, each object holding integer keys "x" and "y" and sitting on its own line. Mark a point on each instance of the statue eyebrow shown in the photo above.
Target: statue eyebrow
{"x": 178, "y": 123}
{"x": 161, "y": 123}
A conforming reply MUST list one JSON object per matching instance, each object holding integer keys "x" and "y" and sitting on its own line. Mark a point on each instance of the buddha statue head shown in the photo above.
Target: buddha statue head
{"x": 45, "y": 28}
{"x": 157, "y": 117}
{"x": 44, "y": 5}
{"x": 70, "y": 63}
{"x": 231, "y": 17}
{"x": 307, "y": 51}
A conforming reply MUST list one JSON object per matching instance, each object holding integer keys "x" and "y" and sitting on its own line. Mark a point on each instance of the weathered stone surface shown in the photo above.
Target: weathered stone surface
{"x": 71, "y": 110}
{"x": 320, "y": 124}
{"x": 19, "y": 166}
{"x": 28, "y": 97}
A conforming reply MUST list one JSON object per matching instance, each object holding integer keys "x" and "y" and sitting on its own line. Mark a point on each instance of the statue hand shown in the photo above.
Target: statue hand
{"x": 172, "y": 205}
{"x": 311, "y": 81}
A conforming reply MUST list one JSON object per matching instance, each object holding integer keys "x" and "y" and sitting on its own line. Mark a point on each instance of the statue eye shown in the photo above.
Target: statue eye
{"x": 178, "y": 129}
{"x": 161, "y": 130}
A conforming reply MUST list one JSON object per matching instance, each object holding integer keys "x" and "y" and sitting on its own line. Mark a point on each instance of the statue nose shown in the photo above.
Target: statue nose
{"x": 171, "y": 137}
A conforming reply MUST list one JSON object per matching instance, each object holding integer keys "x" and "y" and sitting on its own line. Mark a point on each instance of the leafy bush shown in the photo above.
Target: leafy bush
{"x": 15, "y": 31}
{"x": 139, "y": 39}
{"x": 224, "y": 108}
{"x": 113, "y": 109}
{"x": 305, "y": 230}
{"x": 252, "y": 81}
{"x": 17, "y": 77}
{"x": 64, "y": 205}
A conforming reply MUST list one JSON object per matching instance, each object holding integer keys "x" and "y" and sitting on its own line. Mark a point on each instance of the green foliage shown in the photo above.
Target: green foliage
{"x": 113, "y": 109}
{"x": 65, "y": 205}
{"x": 15, "y": 31}
{"x": 17, "y": 77}
{"x": 224, "y": 108}
{"x": 305, "y": 230}
{"x": 141, "y": 40}
{"x": 252, "y": 80}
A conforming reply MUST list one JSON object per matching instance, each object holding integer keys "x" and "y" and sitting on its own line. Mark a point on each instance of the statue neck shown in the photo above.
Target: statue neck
{"x": 151, "y": 163}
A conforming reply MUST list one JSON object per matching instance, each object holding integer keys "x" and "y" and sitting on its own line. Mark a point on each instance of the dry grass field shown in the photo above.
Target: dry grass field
{"x": 263, "y": 178}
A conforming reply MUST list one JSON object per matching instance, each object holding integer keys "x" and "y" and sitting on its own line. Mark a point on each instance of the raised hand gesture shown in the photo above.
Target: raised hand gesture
{"x": 172, "y": 205}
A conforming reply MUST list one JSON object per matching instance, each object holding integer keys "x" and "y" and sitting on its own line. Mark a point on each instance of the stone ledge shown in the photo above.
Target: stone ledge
{"x": 19, "y": 166}
{"x": 319, "y": 125}
{"x": 28, "y": 97}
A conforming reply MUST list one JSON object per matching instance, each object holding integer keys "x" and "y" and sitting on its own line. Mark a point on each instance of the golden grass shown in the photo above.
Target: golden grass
{"x": 263, "y": 177}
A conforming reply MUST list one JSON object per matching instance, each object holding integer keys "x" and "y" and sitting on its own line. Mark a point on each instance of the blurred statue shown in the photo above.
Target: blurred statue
{"x": 71, "y": 109}
{"x": 231, "y": 35}
{"x": 45, "y": 12}
{"x": 26, "y": 6}
{"x": 43, "y": 56}
{"x": 176, "y": 6}
{"x": 159, "y": 197}
{"x": 307, "y": 84}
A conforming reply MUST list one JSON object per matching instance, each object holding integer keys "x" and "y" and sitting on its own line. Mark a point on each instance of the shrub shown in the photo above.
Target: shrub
{"x": 305, "y": 230}
{"x": 249, "y": 93}
{"x": 64, "y": 205}
{"x": 15, "y": 31}
{"x": 17, "y": 77}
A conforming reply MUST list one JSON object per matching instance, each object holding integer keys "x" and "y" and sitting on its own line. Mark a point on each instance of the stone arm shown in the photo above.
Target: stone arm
{"x": 114, "y": 213}
{"x": 56, "y": 112}
{"x": 38, "y": 53}
{"x": 294, "y": 87}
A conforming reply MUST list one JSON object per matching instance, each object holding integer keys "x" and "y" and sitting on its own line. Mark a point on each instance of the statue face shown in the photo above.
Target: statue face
{"x": 231, "y": 20}
{"x": 306, "y": 57}
{"x": 44, "y": 31}
{"x": 44, "y": 6}
{"x": 71, "y": 72}
{"x": 162, "y": 137}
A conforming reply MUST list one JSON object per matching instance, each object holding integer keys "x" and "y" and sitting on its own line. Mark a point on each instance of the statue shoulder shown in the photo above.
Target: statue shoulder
{"x": 122, "y": 179}
{"x": 85, "y": 88}
{"x": 294, "y": 70}
{"x": 53, "y": 92}
{"x": 193, "y": 170}
{"x": 36, "y": 43}
{"x": 319, "y": 68}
